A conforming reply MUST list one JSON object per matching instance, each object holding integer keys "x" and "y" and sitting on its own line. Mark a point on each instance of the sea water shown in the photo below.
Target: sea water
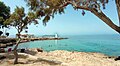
{"x": 106, "y": 44}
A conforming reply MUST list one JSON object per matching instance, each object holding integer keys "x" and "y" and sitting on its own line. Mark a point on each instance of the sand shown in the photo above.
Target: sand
{"x": 60, "y": 58}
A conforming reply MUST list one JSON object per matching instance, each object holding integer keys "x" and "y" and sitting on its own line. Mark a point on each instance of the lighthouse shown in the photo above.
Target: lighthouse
{"x": 56, "y": 35}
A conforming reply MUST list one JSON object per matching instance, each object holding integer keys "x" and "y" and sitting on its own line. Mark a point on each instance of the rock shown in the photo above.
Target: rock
{"x": 7, "y": 40}
{"x": 118, "y": 58}
{"x": 2, "y": 50}
{"x": 22, "y": 50}
{"x": 2, "y": 57}
{"x": 3, "y": 45}
{"x": 64, "y": 64}
{"x": 39, "y": 50}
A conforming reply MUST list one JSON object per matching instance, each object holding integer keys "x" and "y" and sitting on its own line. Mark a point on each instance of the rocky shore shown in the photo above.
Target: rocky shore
{"x": 32, "y": 57}
{"x": 5, "y": 42}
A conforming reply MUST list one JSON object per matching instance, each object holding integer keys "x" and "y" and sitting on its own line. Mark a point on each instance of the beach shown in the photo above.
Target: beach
{"x": 76, "y": 51}
{"x": 26, "y": 39}
{"x": 60, "y": 58}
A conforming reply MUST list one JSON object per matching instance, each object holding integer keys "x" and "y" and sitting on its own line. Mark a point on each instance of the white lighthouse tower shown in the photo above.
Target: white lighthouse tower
{"x": 56, "y": 35}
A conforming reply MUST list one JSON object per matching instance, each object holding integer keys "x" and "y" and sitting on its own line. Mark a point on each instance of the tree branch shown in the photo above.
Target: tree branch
{"x": 106, "y": 20}
{"x": 100, "y": 15}
{"x": 65, "y": 4}
{"x": 118, "y": 9}
{"x": 103, "y": 17}
{"x": 75, "y": 5}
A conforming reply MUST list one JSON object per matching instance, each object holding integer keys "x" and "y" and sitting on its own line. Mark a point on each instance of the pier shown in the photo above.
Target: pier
{"x": 5, "y": 42}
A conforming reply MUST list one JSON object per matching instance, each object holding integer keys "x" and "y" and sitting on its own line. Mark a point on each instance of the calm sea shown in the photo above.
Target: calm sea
{"x": 106, "y": 44}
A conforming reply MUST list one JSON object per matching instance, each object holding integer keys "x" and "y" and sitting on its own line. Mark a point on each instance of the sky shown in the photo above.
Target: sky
{"x": 70, "y": 23}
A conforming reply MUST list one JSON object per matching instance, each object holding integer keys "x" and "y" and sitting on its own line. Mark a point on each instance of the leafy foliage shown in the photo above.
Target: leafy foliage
{"x": 7, "y": 34}
{"x": 49, "y": 8}
{"x": 20, "y": 20}
{"x": 1, "y": 33}
{"x": 52, "y": 7}
{"x": 4, "y": 13}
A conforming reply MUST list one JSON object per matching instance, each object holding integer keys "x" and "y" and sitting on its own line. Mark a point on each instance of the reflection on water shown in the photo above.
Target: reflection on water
{"x": 56, "y": 41}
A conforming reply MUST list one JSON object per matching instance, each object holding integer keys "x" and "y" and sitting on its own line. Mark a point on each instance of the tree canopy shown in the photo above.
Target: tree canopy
{"x": 51, "y": 7}
{"x": 4, "y": 13}
{"x": 1, "y": 33}
{"x": 7, "y": 34}
{"x": 20, "y": 20}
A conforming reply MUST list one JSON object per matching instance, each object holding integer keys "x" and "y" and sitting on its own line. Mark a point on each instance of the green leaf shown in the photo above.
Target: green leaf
{"x": 46, "y": 19}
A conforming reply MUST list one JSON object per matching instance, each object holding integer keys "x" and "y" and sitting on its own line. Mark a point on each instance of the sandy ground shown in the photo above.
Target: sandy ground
{"x": 59, "y": 58}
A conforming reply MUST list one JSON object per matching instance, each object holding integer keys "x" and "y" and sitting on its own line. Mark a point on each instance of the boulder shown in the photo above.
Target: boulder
{"x": 118, "y": 58}
{"x": 39, "y": 50}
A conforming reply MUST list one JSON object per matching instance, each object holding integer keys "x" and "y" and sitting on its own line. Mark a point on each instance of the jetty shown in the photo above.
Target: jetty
{"x": 5, "y": 42}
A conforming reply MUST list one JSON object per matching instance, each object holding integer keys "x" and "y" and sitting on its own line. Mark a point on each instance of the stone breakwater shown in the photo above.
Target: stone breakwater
{"x": 60, "y": 58}
{"x": 4, "y": 42}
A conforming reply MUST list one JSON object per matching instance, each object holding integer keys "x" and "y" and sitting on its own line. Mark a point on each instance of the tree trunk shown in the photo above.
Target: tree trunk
{"x": 118, "y": 9}
{"x": 106, "y": 20}
{"x": 101, "y": 15}
{"x": 15, "y": 50}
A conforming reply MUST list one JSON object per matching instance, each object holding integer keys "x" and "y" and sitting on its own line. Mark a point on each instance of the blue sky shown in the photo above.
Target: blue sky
{"x": 70, "y": 23}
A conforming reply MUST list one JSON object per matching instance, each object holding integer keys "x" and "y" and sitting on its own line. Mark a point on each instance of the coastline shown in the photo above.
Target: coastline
{"x": 60, "y": 58}
{"x": 5, "y": 42}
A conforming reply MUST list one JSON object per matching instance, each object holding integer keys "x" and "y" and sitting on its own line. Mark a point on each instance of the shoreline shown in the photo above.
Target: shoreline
{"x": 61, "y": 58}
{"x": 6, "y": 42}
